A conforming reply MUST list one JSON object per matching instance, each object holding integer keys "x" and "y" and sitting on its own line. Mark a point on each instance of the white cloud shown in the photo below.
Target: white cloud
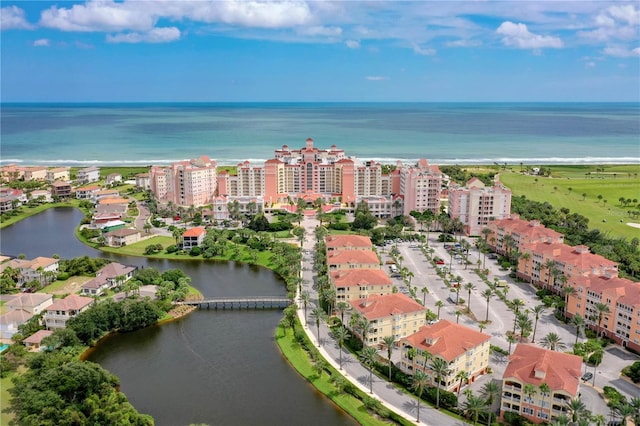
{"x": 627, "y": 13}
{"x": 615, "y": 22}
{"x": 621, "y": 51}
{"x": 156, "y": 35}
{"x": 423, "y": 51}
{"x": 13, "y": 18}
{"x": 376, "y": 78}
{"x": 98, "y": 15}
{"x": 517, "y": 35}
{"x": 352, "y": 44}
{"x": 464, "y": 43}
{"x": 590, "y": 64}
{"x": 41, "y": 42}
{"x": 320, "y": 31}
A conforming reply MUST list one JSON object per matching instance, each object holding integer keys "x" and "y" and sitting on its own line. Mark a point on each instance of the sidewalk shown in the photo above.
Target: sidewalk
{"x": 392, "y": 398}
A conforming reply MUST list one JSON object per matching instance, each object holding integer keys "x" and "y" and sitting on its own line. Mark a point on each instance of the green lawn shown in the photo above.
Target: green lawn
{"x": 299, "y": 359}
{"x": 568, "y": 187}
{"x": 25, "y": 212}
{"x": 5, "y": 385}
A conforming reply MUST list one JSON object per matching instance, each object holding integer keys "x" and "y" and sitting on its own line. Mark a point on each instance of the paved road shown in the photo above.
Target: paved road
{"x": 357, "y": 373}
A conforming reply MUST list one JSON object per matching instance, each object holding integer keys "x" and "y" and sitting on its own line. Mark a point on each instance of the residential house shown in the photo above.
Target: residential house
{"x": 348, "y": 242}
{"x": 352, "y": 259}
{"x": 35, "y": 173}
{"x": 100, "y": 219}
{"x": 34, "y": 342}
{"x": 529, "y": 368}
{"x": 41, "y": 195}
{"x": 62, "y": 310}
{"x": 353, "y": 284}
{"x": 58, "y": 173}
{"x": 34, "y": 303}
{"x": 193, "y": 237}
{"x": 143, "y": 181}
{"x": 109, "y": 276}
{"x": 41, "y": 269}
{"x": 10, "y": 322}
{"x": 464, "y": 349}
{"x": 113, "y": 178}
{"x": 11, "y": 172}
{"x": 7, "y": 204}
{"x": 393, "y": 314}
{"x": 88, "y": 175}
{"x": 87, "y": 192}
{"x": 61, "y": 189}
{"x": 106, "y": 193}
{"x": 122, "y": 237}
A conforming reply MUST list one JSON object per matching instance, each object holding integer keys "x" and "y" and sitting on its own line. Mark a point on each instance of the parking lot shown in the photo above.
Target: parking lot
{"x": 500, "y": 317}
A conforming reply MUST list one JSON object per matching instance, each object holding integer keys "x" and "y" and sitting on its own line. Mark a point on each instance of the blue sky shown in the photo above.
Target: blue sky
{"x": 382, "y": 51}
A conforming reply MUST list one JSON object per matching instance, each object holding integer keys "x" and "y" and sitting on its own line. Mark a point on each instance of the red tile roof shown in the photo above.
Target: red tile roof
{"x": 446, "y": 339}
{"x": 71, "y": 302}
{"x": 348, "y": 241}
{"x": 534, "y": 365}
{"x": 377, "y": 306}
{"x": 341, "y": 257}
{"x": 357, "y": 277}
{"x": 578, "y": 256}
{"x": 194, "y": 232}
{"x": 36, "y": 338}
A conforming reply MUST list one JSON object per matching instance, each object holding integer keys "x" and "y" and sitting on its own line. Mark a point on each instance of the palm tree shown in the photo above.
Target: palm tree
{"x": 317, "y": 314}
{"x": 577, "y": 408}
{"x": 424, "y": 291}
{"x": 553, "y": 342}
{"x": 461, "y": 376}
{"x": 526, "y": 256}
{"x": 319, "y": 365}
{"x": 304, "y": 297}
{"x": 369, "y": 356}
{"x": 458, "y": 313}
{"x": 440, "y": 368}
{"x": 487, "y": 294}
{"x": 517, "y": 304}
{"x": 511, "y": 339}
{"x": 529, "y": 390}
{"x": 420, "y": 381}
{"x": 439, "y": 305}
{"x": 602, "y": 309}
{"x": 579, "y": 322}
{"x": 341, "y": 334}
{"x": 473, "y": 406}
{"x": 389, "y": 342}
{"x": 363, "y": 325}
{"x": 524, "y": 324}
{"x": 490, "y": 392}
{"x": 635, "y": 403}
{"x": 412, "y": 353}
{"x": 469, "y": 287}
{"x": 537, "y": 310}
{"x": 625, "y": 411}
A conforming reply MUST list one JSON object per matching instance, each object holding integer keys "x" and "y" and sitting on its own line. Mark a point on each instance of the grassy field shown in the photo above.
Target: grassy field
{"x": 595, "y": 196}
{"x": 5, "y": 385}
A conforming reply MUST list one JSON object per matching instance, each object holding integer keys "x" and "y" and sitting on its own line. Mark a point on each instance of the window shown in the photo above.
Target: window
{"x": 527, "y": 410}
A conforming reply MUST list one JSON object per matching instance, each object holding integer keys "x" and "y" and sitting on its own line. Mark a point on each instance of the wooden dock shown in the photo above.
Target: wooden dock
{"x": 257, "y": 302}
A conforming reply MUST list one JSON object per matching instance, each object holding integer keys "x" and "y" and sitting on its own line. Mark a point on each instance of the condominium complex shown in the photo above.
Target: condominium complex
{"x": 539, "y": 383}
{"x": 476, "y": 205}
{"x": 463, "y": 348}
{"x": 609, "y": 304}
{"x": 308, "y": 173}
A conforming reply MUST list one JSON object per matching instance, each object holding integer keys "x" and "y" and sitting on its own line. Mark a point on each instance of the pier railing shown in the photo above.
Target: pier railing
{"x": 253, "y": 302}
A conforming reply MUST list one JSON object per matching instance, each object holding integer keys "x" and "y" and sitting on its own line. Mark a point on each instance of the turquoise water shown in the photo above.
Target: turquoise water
{"x": 448, "y": 133}
{"x": 3, "y": 347}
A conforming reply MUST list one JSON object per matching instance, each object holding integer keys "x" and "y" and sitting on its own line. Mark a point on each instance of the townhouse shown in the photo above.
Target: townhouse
{"x": 463, "y": 348}
{"x": 352, "y": 259}
{"x": 539, "y": 383}
{"x": 348, "y": 242}
{"x": 393, "y": 314}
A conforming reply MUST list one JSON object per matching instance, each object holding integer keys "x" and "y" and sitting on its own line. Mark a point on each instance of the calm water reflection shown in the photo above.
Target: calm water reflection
{"x": 213, "y": 367}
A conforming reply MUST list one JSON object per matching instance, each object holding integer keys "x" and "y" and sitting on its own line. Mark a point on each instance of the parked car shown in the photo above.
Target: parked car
{"x": 439, "y": 262}
{"x": 587, "y": 376}
{"x": 492, "y": 256}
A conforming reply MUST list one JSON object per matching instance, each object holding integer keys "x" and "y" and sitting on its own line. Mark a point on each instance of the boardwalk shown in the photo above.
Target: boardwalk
{"x": 252, "y": 302}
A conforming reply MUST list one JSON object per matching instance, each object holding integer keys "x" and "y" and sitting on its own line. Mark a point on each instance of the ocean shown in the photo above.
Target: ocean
{"x": 444, "y": 133}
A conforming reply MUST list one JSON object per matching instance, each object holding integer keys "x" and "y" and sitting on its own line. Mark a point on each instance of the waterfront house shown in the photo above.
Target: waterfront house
{"x": 193, "y": 237}
{"x": 88, "y": 175}
{"x": 41, "y": 195}
{"x": 62, "y": 310}
{"x": 464, "y": 349}
{"x": 109, "y": 276}
{"x": 394, "y": 315}
{"x": 529, "y": 367}
{"x": 6, "y": 204}
{"x": 353, "y": 284}
{"x": 34, "y": 303}
{"x": 122, "y": 237}
{"x": 41, "y": 269}
{"x": 58, "y": 173}
{"x": 61, "y": 189}
{"x": 35, "y": 173}
{"x": 87, "y": 192}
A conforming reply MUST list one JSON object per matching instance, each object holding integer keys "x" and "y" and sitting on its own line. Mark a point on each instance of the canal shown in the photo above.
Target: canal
{"x": 212, "y": 367}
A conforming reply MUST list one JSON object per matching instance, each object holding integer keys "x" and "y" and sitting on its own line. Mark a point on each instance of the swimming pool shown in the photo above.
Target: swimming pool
{"x": 3, "y": 347}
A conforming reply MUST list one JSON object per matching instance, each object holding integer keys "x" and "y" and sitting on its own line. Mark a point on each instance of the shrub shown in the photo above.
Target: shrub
{"x": 514, "y": 419}
{"x": 447, "y": 399}
{"x": 63, "y": 276}
{"x": 172, "y": 249}
{"x": 633, "y": 371}
{"x": 195, "y": 251}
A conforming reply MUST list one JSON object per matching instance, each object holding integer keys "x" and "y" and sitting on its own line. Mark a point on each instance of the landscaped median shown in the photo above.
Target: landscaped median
{"x": 296, "y": 347}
